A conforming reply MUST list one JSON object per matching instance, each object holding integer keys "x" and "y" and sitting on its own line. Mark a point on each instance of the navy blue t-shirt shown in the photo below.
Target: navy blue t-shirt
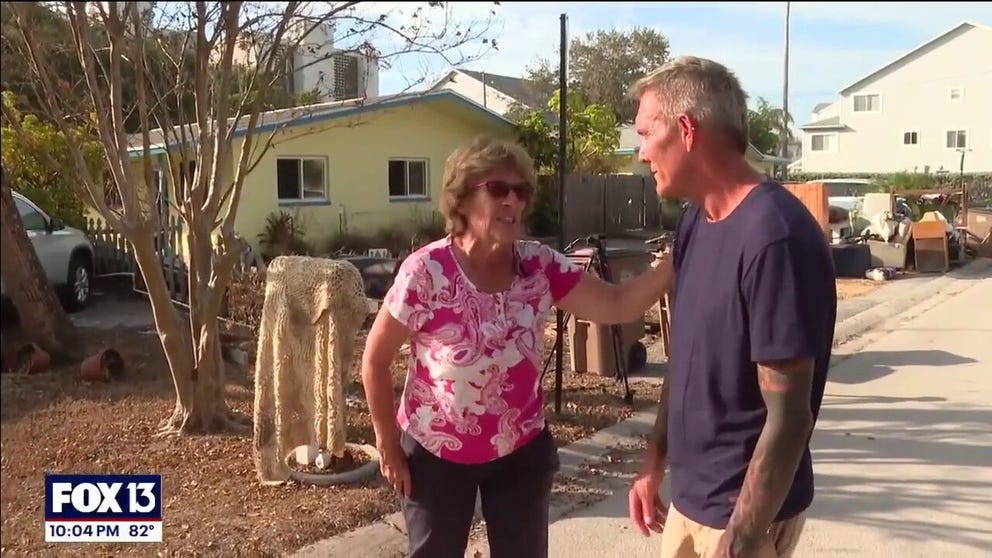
{"x": 758, "y": 285}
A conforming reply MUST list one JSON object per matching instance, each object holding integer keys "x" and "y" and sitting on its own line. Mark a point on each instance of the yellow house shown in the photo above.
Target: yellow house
{"x": 350, "y": 166}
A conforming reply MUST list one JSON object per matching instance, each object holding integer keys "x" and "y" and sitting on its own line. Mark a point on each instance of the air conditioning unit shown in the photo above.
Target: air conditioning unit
{"x": 355, "y": 76}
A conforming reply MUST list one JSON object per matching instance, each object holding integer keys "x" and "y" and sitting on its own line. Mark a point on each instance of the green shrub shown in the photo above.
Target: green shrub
{"x": 54, "y": 188}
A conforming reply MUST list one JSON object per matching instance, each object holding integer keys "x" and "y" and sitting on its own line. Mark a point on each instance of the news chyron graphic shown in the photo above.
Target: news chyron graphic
{"x": 103, "y": 508}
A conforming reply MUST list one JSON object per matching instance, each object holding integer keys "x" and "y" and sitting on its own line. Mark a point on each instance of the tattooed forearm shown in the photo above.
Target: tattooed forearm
{"x": 786, "y": 389}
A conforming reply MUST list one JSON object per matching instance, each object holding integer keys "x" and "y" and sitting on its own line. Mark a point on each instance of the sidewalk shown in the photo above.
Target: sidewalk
{"x": 602, "y": 528}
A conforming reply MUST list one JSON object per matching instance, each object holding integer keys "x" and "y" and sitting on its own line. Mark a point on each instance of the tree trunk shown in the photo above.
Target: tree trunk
{"x": 201, "y": 407}
{"x": 41, "y": 315}
{"x": 193, "y": 353}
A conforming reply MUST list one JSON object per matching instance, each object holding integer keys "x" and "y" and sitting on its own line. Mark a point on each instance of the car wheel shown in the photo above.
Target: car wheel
{"x": 79, "y": 286}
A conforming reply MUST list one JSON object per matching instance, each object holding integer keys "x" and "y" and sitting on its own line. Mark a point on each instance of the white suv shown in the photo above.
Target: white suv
{"x": 65, "y": 253}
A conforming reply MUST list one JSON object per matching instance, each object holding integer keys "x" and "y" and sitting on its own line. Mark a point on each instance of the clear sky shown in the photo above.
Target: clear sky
{"x": 832, "y": 44}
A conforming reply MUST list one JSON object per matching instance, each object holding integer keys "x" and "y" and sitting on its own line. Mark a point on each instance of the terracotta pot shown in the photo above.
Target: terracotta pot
{"x": 32, "y": 359}
{"x": 102, "y": 366}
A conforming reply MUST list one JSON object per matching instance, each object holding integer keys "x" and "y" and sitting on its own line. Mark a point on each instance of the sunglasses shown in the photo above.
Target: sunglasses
{"x": 499, "y": 189}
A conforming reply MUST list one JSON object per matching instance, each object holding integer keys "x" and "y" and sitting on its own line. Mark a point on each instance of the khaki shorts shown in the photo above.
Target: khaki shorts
{"x": 684, "y": 538}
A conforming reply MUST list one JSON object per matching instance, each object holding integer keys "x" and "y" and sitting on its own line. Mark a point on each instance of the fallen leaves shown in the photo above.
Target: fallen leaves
{"x": 212, "y": 504}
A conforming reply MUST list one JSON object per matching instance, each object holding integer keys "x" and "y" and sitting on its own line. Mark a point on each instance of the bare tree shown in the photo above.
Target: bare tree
{"x": 224, "y": 60}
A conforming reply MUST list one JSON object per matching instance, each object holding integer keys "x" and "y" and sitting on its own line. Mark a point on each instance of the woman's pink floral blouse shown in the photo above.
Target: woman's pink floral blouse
{"x": 473, "y": 390}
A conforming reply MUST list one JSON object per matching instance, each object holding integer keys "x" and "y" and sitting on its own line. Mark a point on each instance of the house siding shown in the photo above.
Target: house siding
{"x": 357, "y": 152}
{"x": 914, "y": 97}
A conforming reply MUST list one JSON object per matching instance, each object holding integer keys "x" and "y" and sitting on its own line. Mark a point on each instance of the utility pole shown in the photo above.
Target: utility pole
{"x": 562, "y": 166}
{"x": 784, "y": 132}
{"x": 964, "y": 191}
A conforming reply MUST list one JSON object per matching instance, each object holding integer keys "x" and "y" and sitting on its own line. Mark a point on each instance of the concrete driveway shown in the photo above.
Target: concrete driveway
{"x": 903, "y": 449}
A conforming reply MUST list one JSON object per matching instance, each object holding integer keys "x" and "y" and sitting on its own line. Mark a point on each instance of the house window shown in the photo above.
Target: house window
{"x": 867, "y": 103}
{"x": 957, "y": 139}
{"x": 408, "y": 178}
{"x": 955, "y": 94}
{"x": 910, "y": 138}
{"x": 302, "y": 179}
{"x": 823, "y": 142}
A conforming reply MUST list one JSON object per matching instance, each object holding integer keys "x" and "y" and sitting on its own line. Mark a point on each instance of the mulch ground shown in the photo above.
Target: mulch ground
{"x": 213, "y": 504}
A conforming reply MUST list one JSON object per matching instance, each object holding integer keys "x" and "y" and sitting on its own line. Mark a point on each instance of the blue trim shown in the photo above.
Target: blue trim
{"x": 625, "y": 151}
{"x": 303, "y": 203}
{"x": 372, "y": 106}
{"x": 380, "y": 105}
{"x": 140, "y": 152}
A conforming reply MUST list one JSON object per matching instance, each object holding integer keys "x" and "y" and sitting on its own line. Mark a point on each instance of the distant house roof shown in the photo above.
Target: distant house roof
{"x": 630, "y": 142}
{"x": 312, "y": 114}
{"x": 821, "y": 106}
{"x": 925, "y": 47}
{"x": 523, "y": 90}
{"x": 832, "y": 122}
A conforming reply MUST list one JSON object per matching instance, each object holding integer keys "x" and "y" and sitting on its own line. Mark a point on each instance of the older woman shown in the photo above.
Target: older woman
{"x": 473, "y": 306}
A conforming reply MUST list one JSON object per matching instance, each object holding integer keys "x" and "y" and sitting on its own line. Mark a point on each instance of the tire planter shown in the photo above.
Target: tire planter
{"x": 360, "y": 474}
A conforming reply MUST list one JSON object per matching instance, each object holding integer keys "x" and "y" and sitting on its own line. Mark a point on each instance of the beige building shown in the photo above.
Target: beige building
{"x": 919, "y": 113}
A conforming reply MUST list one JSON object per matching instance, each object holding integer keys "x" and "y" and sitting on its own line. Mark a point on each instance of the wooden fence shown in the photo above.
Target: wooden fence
{"x": 609, "y": 204}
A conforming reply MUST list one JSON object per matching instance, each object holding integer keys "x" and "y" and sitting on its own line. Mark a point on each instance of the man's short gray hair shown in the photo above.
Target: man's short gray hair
{"x": 705, "y": 89}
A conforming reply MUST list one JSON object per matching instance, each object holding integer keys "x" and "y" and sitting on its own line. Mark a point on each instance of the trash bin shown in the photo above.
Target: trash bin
{"x": 591, "y": 345}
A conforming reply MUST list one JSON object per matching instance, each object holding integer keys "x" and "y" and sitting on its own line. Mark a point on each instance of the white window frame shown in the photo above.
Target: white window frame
{"x": 303, "y": 199}
{"x": 967, "y": 136}
{"x": 427, "y": 179}
{"x": 950, "y": 93}
{"x": 910, "y": 145}
{"x": 834, "y": 138}
{"x": 854, "y": 103}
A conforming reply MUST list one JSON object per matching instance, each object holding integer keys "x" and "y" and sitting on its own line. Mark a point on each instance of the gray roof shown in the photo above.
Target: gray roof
{"x": 832, "y": 122}
{"x": 520, "y": 89}
{"x": 821, "y": 106}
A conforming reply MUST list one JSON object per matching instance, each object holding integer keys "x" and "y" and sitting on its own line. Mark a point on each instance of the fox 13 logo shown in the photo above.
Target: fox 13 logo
{"x": 103, "y": 508}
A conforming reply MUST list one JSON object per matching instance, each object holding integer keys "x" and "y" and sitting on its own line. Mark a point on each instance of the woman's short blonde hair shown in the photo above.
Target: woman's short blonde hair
{"x": 473, "y": 162}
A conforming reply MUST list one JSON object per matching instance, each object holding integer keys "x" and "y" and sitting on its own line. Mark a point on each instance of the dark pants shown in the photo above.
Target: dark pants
{"x": 515, "y": 490}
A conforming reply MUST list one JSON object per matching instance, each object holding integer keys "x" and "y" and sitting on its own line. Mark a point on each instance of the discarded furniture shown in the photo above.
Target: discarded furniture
{"x": 887, "y": 254}
{"x": 851, "y": 260}
{"x": 877, "y": 203}
{"x": 816, "y": 197}
{"x": 930, "y": 243}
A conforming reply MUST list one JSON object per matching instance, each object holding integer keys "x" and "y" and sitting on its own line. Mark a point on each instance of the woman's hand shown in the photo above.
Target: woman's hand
{"x": 385, "y": 339}
{"x": 393, "y": 466}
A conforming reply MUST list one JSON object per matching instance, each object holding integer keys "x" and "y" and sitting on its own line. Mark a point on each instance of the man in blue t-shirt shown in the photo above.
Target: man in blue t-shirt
{"x": 754, "y": 305}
